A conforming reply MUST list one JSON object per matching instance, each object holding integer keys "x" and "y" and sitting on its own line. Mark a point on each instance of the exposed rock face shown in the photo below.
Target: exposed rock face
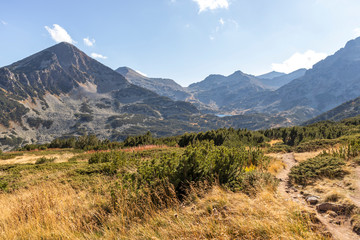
{"x": 162, "y": 86}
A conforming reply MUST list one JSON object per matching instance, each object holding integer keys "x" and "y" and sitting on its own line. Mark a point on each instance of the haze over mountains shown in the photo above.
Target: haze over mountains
{"x": 61, "y": 91}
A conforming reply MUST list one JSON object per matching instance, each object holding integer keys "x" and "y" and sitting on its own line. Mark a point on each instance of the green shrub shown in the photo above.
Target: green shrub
{"x": 310, "y": 170}
{"x": 3, "y": 185}
{"x": 43, "y": 160}
{"x": 280, "y": 148}
{"x": 314, "y": 145}
{"x": 253, "y": 180}
{"x": 104, "y": 157}
{"x": 7, "y": 156}
{"x": 200, "y": 162}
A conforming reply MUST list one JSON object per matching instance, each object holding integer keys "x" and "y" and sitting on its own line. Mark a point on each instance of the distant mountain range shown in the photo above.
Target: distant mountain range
{"x": 61, "y": 91}
{"x": 216, "y": 92}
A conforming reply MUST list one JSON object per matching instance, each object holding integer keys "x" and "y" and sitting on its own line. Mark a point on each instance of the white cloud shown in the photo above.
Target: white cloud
{"x": 141, "y": 73}
{"x": 4, "y": 23}
{"x": 59, "y": 34}
{"x": 89, "y": 42}
{"x": 221, "y": 21}
{"x": 356, "y": 32}
{"x": 96, "y": 55}
{"x": 211, "y": 4}
{"x": 299, "y": 60}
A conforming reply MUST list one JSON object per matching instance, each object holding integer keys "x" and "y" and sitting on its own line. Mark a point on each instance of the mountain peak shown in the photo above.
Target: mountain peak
{"x": 64, "y": 54}
{"x": 129, "y": 72}
{"x": 238, "y": 72}
{"x": 271, "y": 75}
{"x": 63, "y": 46}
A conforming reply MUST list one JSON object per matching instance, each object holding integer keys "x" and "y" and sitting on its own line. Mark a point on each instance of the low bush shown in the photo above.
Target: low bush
{"x": 7, "y": 156}
{"x": 314, "y": 145}
{"x": 310, "y": 170}
{"x": 43, "y": 160}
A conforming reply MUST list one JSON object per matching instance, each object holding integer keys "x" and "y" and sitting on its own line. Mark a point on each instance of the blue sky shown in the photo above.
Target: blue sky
{"x": 185, "y": 40}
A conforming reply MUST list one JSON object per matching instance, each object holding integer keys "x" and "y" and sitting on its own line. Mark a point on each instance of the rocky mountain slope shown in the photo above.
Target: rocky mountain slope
{"x": 328, "y": 84}
{"x": 61, "y": 91}
{"x": 220, "y": 91}
{"x": 346, "y": 110}
{"x": 162, "y": 86}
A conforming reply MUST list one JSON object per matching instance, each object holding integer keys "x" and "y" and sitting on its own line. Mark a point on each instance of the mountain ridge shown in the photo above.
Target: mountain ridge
{"x": 162, "y": 86}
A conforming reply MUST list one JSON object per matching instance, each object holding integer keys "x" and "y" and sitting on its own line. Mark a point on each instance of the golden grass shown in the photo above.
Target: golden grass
{"x": 274, "y": 141}
{"x": 50, "y": 211}
{"x": 57, "y": 211}
{"x": 31, "y": 158}
{"x": 300, "y": 157}
{"x": 276, "y": 166}
{"x": 225, "y": 215}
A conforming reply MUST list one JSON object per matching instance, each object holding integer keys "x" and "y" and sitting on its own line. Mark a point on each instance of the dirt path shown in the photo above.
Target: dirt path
{"x": 340, "y": 232}
{"x": 355, "y": 196}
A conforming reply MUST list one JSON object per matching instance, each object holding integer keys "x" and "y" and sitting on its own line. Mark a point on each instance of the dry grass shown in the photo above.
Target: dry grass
{"x": 276, "y": 165}
{"x": 272, "y": 142}
{"x": 300, "y": 157}
{"x": 57, "y": 211}
{"x": 50, "y": 211}
{"x": 225, "y": 215}
{"x": 31, "y": 158}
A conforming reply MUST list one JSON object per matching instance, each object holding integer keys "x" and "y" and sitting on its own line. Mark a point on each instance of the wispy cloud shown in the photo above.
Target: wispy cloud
{"x": 3, "y": 22}
{"x": 299, "y": 60}
{"x": 89, "y": 42}
{"x": 97, "y": 55}
{"x": 221, "y": 21}
{"x": 59, "y": 34}
{"x": 211, "y": 4}
{"x": 223, "y": 26}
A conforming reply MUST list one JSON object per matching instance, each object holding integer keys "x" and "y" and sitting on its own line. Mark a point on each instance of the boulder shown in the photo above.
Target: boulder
{"x": 324, "y": 207}
{"x": 313, "y": 200}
